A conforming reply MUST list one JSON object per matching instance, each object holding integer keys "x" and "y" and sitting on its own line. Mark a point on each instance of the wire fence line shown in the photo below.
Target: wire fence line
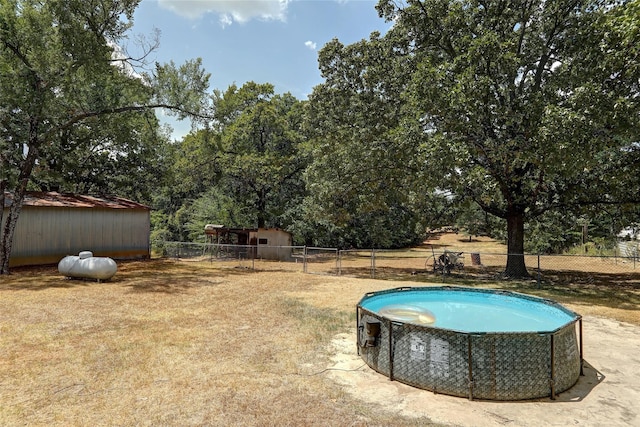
{"x": 630, "y": 249}
{"x": 421, "y": 264}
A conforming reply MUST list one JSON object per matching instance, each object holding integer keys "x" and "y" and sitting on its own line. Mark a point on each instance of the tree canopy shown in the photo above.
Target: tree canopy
{"x": 366, "y": 184}
{"x": 518, "y": 106}
{"x": 248, "y": 163}
{"x": 61, "y": 75}
{"x": 465, "y": 110}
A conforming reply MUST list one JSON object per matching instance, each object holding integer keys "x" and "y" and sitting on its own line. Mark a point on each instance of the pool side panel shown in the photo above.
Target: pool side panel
{"x": 433, "y": 359}
{"x": 491, "y": 366}
{"x": 568, "y": 359}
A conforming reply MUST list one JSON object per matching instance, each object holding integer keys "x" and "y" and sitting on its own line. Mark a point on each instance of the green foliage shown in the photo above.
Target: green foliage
{"x": 212, "y": 207}
{"x": 181, "y": 89}
{"x": 464, "y": 112}
{"x": 194, "y": 164}
{"x": 476, "y": 222}
{"x": 63, "y": 81}
{"x": 521, "y": 104}
{"x": 366, "y": 180}
{"x": 597, "y": 247}
{"x": 124, "y": 155}
{"x": 244, "y": 170}
{"x": 259, "y": 162}
{"x": 552, "y": 233}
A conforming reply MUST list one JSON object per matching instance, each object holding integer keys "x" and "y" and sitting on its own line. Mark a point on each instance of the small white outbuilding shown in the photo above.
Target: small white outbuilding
{"x": 268, "y": 243}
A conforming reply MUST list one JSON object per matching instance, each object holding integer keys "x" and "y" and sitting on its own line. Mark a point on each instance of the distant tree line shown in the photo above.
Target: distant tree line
{"x": 518, "y": 120}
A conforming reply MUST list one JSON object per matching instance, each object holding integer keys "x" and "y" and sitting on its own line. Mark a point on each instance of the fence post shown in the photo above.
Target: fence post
{"x": 373, "y": 263}
{"x": 304, "y": 259}
{"x": 539, "y": 272}
{"x": 339, "y": 262}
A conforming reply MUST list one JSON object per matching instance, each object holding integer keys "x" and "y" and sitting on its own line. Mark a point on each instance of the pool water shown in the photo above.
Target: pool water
{"x": 473, "y": 311}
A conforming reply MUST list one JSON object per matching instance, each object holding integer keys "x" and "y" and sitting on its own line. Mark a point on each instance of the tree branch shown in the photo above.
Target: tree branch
{"x": 118, "y": 110}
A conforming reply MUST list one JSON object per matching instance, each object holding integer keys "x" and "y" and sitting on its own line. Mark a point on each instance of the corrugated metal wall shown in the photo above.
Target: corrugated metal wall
{"x": 44, "y": 235}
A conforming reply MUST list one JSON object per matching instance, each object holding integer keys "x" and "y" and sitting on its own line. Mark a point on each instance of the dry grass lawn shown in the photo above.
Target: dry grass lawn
{"x": 175, "y": 343}
{"x": 168, "y": 343}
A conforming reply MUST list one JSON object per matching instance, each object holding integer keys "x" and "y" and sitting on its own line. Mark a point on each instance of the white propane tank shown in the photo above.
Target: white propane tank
{"x": 86, "y": 266}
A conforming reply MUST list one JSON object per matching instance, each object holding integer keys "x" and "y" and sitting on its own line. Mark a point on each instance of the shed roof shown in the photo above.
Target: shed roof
{"x": 221, "y": 229}
{"x": 68, "y": 200}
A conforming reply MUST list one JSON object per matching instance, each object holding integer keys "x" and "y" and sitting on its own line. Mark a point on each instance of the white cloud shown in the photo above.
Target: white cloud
{"x": 225, "y": 20}
{"x": 311, "y": 45}
{"x": 229, "y": 10}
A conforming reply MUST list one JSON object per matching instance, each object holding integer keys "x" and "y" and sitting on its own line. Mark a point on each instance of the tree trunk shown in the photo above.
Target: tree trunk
{"x": 3, "y": 186}
{"x": 8, "y": 231}
{"x": 262, "y": 209}
{"x": 516, "y": 267}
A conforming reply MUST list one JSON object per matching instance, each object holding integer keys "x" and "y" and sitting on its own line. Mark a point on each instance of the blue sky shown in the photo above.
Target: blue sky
{"x": 266, "y": 41}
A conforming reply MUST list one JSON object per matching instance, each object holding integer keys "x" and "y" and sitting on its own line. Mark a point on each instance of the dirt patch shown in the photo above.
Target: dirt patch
{"x": 608, "y": 393}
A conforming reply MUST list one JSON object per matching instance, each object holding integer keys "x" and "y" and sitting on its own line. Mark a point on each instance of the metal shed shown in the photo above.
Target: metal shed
{"x": 52, "y": 225}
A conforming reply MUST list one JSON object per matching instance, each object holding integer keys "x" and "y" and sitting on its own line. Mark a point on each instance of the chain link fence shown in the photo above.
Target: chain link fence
{"x": 418, "y": 264}
{"x": 261, "y": 257}
{"x": 322, "y": 260}
{"x": 460, "y": 267}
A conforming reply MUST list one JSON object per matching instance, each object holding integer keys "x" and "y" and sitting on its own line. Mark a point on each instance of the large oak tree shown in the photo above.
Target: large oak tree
{"x": 520, "y": 106}
{"x": 259, "y": 159}
{"x": 519, "y": 99}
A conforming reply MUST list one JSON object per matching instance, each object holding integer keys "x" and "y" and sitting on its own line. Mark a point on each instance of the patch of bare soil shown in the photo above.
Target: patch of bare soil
{"x": 460, "y": 241}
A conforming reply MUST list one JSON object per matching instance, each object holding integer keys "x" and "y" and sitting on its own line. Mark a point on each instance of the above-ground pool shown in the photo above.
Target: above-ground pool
{"x": 476, "y": 343}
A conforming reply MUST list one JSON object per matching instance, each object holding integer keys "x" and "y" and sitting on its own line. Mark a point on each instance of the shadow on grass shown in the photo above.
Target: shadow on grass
{"x": 140, "y": 276}
{"x": 38, "y": 278}
{"x": 164, "y": 276}
{"x": 156, "y": 275}
{"x": 614, "y": 290}
{"x": 40, "y": 284}
{"x": 159, "y": 286}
